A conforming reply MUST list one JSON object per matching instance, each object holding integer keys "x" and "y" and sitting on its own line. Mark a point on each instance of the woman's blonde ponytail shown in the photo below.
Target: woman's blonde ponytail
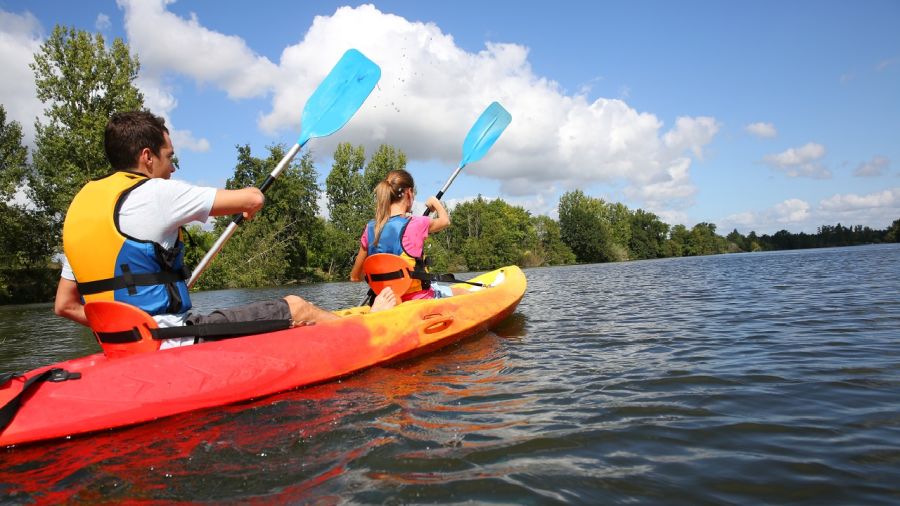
{"x": 386, "y": 193}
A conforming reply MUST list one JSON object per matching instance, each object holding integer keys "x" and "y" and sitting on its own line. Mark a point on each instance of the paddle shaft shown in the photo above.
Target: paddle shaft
{"x": 446, "y": 186}
{"x": 239, "y": 218}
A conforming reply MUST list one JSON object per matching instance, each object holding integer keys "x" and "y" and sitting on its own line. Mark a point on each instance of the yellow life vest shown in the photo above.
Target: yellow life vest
{"x": 110, "y": 265}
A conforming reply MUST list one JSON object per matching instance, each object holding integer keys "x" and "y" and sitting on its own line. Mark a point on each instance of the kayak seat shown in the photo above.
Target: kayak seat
{"x": 383, "y": 269}
{"x": 121, "y": 329}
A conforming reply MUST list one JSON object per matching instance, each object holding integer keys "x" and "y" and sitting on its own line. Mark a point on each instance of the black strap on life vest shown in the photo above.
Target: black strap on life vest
{"x": 130, "y": 280}
{"x": 421, "y": 270}
{"x": 207, "y": 331}
{"x": 55, "y": 375}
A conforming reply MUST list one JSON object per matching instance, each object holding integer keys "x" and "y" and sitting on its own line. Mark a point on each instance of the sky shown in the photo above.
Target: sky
{"x": 756, "y": 116}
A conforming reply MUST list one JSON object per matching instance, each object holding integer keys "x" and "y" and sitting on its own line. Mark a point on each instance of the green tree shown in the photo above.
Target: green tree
{"x": 704, "y": 241}
{"x": 468, "y": 231}
{"x": 583, "y": 227}
{"x": 550, "y": 250}
{"x": 13, "y": 157}
{"x": 737, "y": 242}
{"x": 350, "y": 206}
{"x": 25, "y": 239}
{"x": 892, "y": 234}
{"x": 679, "y": 242}
{"x": 619, "y": 217}
{"x": 345, "y": 188}
{"x": 82, "y": 82}
{"x": 274, "y": 247}
{"x": 385, "y": 159}
{"x": 490, "y": 234}
{"x": 198, "y": 241}
{"x": 648, "y": 235}
{"x": 255, "y": 256}
{"x": 753, "y": 242}
{"x": 335, "y": 251}
{"x": 291, "y": 203}
{"x": 443, "y": 250}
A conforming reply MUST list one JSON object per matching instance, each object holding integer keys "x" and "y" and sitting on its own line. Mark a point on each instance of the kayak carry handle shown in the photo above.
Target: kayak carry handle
{"x": 435, "y": 323}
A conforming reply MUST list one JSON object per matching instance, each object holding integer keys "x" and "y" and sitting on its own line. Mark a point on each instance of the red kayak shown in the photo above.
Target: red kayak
{"x": 98, "y": 392}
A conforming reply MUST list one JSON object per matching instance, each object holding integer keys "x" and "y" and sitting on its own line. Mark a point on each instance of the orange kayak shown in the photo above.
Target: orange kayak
{"x": 112, "y": 393}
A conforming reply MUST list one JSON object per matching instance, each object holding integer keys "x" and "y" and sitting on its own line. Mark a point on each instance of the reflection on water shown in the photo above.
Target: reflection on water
{"x": 285, "y": 445}
{"x": 747, "y": 379}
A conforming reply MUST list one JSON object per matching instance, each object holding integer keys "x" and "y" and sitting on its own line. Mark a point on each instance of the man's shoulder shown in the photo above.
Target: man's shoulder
{"x": 159, "y": 184}
{"x": 158, "y": 188}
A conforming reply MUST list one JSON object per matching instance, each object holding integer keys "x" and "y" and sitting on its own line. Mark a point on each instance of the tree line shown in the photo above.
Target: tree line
{"x": 83, "y": 81}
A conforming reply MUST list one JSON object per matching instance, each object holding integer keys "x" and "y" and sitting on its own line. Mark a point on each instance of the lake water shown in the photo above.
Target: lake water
{"x": 732, "y": 379}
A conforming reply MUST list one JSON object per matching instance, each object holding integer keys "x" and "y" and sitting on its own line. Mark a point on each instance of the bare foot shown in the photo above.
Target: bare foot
{"x": 385, "y": 300}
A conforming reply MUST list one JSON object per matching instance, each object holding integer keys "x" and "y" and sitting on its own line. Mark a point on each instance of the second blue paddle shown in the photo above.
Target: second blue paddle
{"x": 479, "y": 140}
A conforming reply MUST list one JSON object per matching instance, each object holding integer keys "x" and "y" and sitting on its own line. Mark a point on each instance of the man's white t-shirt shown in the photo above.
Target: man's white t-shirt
{"x": 154, "y": 211}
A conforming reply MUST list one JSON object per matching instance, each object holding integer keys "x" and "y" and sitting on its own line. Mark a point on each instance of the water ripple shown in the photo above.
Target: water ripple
{"x": 741, "y": 379}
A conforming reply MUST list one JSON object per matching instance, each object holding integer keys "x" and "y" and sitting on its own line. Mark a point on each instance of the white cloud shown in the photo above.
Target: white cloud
{"x": 887, "y": 63}
{"x": 792, "y": 214}
{"x": 745, "y": 219}
{"x": 764, "y": 130}
{"x": 102, "y": 23}
{"x": 876, "y": 210}
{"x": 791, "y": 211}
{"x": 430, "y": 93}
{"x": 851, "y": 202}
{"x": 875, "y": 167}
{"x": 691, "y": 134}
{"x": 674, "y": 217}
{"x": 184, "y": 139}
{"x": 800, "y": 162}
{"x": 161, "y": 101}
{"x": 167, "y": 43}
{"x": 20, "y": 38}
{"x": 674, "y": 190}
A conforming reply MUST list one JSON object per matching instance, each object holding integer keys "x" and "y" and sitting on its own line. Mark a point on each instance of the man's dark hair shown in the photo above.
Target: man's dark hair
{"x": 128, "y": 133}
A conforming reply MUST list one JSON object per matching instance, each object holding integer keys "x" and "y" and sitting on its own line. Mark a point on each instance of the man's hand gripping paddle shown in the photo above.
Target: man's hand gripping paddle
{"x": 334, "y": 102}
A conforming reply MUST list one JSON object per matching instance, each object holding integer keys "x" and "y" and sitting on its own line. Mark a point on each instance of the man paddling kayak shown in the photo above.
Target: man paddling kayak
{"x": 122, "y": 236}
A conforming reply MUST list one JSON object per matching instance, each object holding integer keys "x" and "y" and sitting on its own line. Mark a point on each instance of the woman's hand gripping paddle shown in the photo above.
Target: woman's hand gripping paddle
{"x": 331, "y": 105}
{"x": 479, "y": 140}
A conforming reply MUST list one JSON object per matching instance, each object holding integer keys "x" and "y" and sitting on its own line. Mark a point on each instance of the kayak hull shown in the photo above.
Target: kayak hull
{"x": 143, "y": 387}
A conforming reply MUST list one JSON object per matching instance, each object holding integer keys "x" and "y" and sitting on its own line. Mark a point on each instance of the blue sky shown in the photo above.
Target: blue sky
{"x": 750, "y": 115}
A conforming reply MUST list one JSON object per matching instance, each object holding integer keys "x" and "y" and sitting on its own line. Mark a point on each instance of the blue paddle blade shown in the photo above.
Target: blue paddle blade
{"x": 339, "y": 96}
{"x": 484, "y": 133}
